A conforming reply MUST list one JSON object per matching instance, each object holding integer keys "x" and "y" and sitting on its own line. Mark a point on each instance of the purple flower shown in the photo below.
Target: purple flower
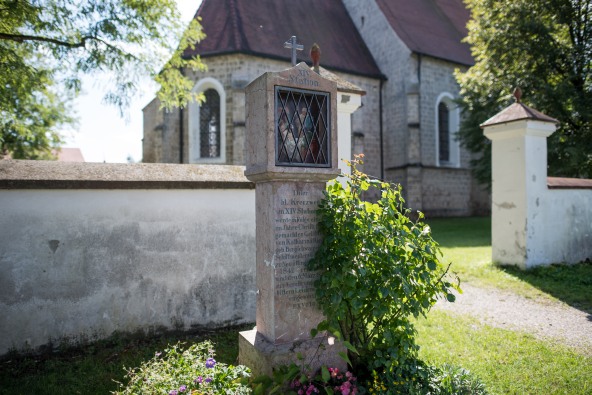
{"x": 173, "y": 392}
{"x": 210, "y": 363}
{"x": 311, "y": 388}
{"x": 183, "y": 388}
{"x": 157, "y": 354}
{"x": 208, "y": 380}
{"x": 198, "y": 380}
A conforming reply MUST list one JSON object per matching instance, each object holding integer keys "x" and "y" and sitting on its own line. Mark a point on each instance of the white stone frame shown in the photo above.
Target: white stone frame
{"x": 453, "y": 126}
{"x": 193, "y": 123}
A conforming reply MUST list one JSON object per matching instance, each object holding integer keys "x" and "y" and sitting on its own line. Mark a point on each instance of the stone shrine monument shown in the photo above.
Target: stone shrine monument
{"x": 291, "y": 153}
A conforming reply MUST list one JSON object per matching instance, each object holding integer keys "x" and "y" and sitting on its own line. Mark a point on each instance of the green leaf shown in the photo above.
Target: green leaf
{"x": 350, "y": 347}
{"x": 344, "y": 357}
{"x": 325, "y": 374}
{"x": 450, "y": 297}
{"x": 259, "y": 389}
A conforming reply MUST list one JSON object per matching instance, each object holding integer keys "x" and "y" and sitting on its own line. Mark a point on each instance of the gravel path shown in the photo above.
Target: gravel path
{"x": 544, "y": 319}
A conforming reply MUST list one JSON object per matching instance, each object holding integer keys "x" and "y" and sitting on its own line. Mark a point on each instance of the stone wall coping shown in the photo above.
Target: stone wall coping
{"x": 32, "y": 174}
{"x": 568, "y": 183}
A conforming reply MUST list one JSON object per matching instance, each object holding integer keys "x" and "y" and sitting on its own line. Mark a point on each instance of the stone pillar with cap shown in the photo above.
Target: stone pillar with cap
{"x": 518, "y": 137}
{"x": 291, "y": 152}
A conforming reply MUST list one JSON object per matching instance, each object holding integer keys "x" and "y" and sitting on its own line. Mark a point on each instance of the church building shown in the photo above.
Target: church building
{"x": 399, "y": 56}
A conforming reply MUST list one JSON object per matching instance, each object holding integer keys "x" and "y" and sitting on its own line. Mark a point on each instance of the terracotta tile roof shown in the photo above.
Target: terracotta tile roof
{"x": 568, "y": 183}
{"x": 431, "y": 27}
{"x": 260, "y": 27}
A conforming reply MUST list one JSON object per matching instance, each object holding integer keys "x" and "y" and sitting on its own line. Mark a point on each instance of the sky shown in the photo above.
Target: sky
{"x": 101, "y": 134}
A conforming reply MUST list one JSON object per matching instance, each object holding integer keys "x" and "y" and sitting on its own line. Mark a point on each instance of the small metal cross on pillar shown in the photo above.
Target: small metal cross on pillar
{"x": 291, "y": 44}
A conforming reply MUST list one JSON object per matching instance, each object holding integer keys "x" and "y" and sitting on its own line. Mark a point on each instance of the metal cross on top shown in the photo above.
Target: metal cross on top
{"x": 291, "y": 44}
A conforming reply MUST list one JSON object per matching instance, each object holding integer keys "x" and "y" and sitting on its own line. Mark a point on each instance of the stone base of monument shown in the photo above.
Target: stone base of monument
{"x": 262, "y": 356}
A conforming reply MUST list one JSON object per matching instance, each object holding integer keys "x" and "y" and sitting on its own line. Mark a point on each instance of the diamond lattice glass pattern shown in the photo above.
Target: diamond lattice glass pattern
{"x": 302, "y": 128}
{"x": 209, "y": 125}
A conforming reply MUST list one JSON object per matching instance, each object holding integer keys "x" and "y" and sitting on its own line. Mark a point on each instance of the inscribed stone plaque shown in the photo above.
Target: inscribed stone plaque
{"x": 293, "y": 240}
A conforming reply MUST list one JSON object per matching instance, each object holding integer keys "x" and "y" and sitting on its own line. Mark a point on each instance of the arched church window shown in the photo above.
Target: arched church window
{"x": 447, "y": 122}
{"x": 443, "y": 133}
{"x": 207, "y": 124}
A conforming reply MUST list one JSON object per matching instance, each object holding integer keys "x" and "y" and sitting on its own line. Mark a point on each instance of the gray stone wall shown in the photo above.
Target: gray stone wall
{"x": 446, "y": 192}
{"x": 235, "y": 72}
{"x": 409, "y": 114}
{"x": 409, "y": 97}
{"x": 392, "y": 57}
{"x": 437, "y": 77}
{"x": 153, "y": 126}
{"x": 366, "y": 123}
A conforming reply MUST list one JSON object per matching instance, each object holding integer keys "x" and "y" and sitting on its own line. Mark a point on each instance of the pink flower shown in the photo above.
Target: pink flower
{"x": 345, "y": 388}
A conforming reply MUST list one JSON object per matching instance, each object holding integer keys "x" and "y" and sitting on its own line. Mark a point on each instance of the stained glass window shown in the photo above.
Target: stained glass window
{"x": 443, "y": 133}
{"x": 302, "y": 126}
{"x": 209, "y": 125}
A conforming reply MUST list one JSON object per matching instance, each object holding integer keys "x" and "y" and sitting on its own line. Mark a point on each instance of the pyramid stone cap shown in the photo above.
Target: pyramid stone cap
{"x": 343, "y": 85}
{"x": 518, "y": 112}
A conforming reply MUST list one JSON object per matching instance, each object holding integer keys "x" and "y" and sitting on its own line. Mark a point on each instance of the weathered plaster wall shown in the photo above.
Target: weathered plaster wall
{"x": 531, "y": 224}
{"x": 562, "y": 228}
{"x": 86, "y": 251}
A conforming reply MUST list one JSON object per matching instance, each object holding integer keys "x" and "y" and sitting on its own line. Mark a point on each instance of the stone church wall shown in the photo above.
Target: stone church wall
{"x": 235, "y": 72}
{"x": 392, "y": 57}
{"x": 366, "y": 123}
{"x": 152, "y": 141}
{"x": 409, "y": 97}
{"x": 161, "y": 134}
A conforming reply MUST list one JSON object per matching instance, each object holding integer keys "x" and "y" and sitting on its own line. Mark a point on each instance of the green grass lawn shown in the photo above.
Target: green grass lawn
{"x": 508, "y": 362}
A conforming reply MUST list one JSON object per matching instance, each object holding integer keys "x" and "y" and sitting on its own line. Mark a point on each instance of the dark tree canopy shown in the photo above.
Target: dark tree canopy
{"x": 545, "y": 48}
{"x": 47, "y": 45}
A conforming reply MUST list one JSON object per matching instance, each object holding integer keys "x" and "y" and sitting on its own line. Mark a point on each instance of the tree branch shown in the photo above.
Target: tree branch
{"x": 24, "y": 37}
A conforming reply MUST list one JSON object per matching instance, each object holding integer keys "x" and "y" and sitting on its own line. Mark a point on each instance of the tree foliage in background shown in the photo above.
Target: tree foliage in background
{"x": 47, "y": 45}
{"x": 545, "y": 48}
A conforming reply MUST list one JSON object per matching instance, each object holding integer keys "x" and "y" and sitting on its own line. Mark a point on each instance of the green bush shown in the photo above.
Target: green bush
{"x": 378, "y": 269}
{"x": 448, "y": 380}
{"x": 193, "y": 370}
